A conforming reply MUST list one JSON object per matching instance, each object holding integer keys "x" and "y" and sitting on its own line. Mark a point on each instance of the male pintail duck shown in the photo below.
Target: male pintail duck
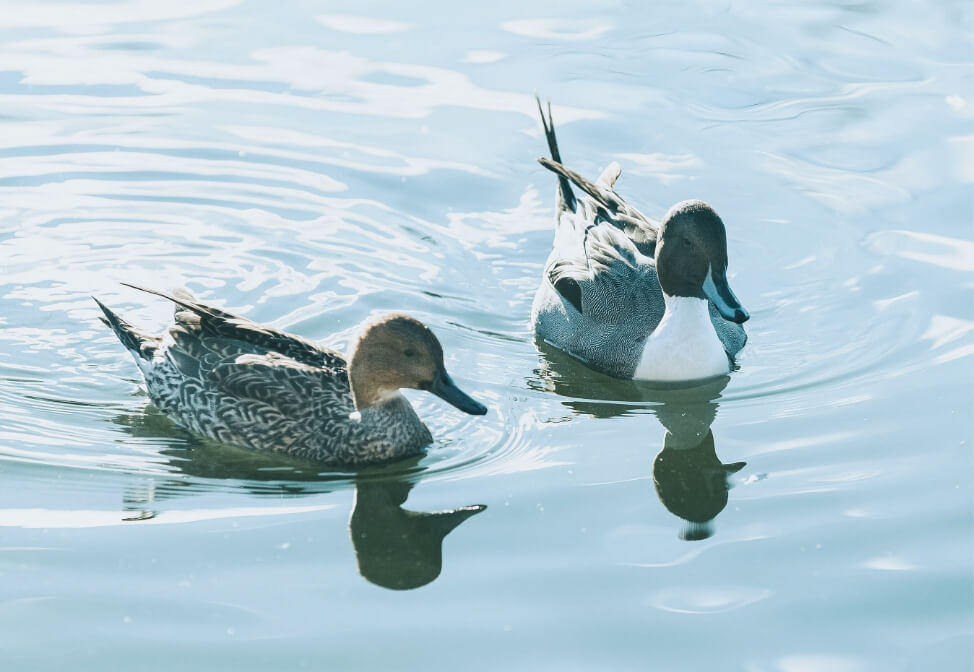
{"x": 632, "y": 297}
{"x": 237, "y": 382}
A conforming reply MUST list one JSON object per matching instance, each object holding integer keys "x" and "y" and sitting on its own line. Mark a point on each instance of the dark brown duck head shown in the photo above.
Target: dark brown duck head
{"x": 397, "y": 351}
{"x": 691, "y": 258}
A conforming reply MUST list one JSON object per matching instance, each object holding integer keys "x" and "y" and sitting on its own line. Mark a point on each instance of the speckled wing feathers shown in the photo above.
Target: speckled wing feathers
{"x": 251, "y": 361}
{"x": 288, "y": 385}
{"x": 612, "y": 269}
{"x": 276, "y": 396}
{"x": 197, "y": 320}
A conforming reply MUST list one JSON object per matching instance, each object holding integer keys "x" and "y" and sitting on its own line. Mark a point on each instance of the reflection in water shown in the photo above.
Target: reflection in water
{"x": 395, "y": 548}
{"x": 690, "y": 479}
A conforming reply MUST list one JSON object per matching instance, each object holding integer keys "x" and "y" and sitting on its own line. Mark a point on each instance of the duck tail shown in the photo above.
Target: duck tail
{"x": 566, "y": 197}
{"x": 141, "y": 345}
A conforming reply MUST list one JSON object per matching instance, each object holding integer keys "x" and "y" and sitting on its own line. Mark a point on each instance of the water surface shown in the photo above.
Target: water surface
{"x": 311, "y": 169}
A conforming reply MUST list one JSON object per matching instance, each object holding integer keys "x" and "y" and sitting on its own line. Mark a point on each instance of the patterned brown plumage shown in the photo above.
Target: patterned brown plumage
{"x": 231, "y": 380}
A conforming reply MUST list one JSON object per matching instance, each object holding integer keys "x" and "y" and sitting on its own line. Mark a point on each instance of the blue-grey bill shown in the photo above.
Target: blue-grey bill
{"x": 720, "y": 294}
{"x": 444, "y": 387}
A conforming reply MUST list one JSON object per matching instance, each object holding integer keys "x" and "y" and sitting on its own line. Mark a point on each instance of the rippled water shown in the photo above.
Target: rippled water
{"x": 311, "y": 169}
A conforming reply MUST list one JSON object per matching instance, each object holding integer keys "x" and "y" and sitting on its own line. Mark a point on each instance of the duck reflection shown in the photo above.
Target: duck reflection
{"x": 397, "y": 548}
{"x": 691, "y": 481}
{"x": 394, "y": 547}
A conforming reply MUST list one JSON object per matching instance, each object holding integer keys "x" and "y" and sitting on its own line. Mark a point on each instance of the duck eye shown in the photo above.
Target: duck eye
{"x": 687, "y": 242}
{"x": 409, "y": 352}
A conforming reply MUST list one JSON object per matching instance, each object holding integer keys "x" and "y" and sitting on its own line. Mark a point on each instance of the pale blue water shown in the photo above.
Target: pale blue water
{"x": 311, "y": 166}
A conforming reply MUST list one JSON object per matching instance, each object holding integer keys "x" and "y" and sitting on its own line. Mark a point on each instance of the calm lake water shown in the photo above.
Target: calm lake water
{"x": 311, "y": 168}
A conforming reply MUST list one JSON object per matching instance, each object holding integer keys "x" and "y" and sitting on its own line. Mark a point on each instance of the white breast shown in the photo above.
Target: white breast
{"x": 684, "y": 346}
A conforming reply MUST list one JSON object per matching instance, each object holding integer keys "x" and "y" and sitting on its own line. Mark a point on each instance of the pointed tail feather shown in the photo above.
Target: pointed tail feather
{"x": 182, "y": 298}
{"x": 566, "y": 196}
{"x": 139, "y": 344}
{"x": 607, "y": 198}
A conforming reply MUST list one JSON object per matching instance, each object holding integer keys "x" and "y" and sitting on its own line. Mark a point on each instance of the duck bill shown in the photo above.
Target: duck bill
{"x": 721, "y": 295}
{"x": 444, "y": 387}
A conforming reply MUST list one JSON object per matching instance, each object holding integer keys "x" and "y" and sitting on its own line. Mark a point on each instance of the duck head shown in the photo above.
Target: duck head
{"x": 398, "y": 351}
{"x": 691, "y": 258}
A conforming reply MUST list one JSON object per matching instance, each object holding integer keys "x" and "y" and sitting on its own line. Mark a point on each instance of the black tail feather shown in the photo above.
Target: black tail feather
{"x": 565, "y": 194}
{"x": 183, "y": 299}
{"x": 133, "y": 339}
{"x": 185, "y": 302}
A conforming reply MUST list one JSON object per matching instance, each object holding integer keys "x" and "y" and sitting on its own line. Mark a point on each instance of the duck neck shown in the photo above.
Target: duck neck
{"x": 365, "y": 383}
{"x": 374, "y": 404}
{"x": 684, "y": 346}
{"x": 366, "y": 394}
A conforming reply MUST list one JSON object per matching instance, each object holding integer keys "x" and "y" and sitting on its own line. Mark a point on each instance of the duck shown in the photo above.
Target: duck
{"x": 230, "y": 380}
{"x": 630, "y": 296}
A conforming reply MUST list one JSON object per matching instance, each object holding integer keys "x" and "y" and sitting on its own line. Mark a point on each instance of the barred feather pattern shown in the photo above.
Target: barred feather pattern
{"x": 236, "y": 382}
